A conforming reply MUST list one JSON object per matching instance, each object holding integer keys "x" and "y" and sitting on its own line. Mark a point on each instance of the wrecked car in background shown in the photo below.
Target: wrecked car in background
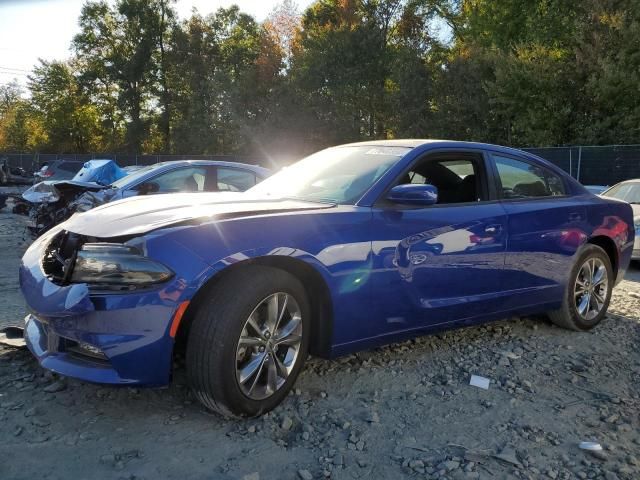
{"x": 351, "y": 248}
{"x": 51, "y": 201}
{"x": 11, "y": 175}
{"x": 102, "y": 181}
{"x": 175, "y": 177}
{"x": 58, "y": 170}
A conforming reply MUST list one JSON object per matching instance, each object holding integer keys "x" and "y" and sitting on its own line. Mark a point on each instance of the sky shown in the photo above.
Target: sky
{"x": 32, "y": 29}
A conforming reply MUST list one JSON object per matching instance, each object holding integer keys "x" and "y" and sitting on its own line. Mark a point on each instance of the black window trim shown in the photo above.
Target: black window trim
{"x": 487, "y": 182}
{"x": 498, "y": 183}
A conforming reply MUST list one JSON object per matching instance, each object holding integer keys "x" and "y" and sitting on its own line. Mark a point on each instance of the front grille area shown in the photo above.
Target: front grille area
{"x": 85, "y": 352}
{"x": 59, "y": 256}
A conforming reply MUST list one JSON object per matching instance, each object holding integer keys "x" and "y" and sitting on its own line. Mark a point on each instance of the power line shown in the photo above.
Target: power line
{"x": 14, "y": 73}
{"x": 14, "y": 69}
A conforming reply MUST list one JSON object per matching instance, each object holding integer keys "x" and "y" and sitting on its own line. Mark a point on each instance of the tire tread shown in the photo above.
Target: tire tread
{"x": 214, "y": 323}
{"x": 565, "y": 316}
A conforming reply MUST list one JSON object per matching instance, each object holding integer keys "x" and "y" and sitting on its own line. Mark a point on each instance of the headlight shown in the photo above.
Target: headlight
{"x": 114, "y": 264}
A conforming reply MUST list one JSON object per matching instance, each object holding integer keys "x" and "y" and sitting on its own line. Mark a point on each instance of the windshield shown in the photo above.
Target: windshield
{"x": 629, "y": 192}
{"x": 338, "y": 175}
{"x": 132, "y": 177}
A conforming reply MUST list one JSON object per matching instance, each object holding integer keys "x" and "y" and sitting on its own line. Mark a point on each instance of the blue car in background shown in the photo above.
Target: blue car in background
{"x": 178, "y": 176}
{"x": 351, "y": 248}
{"x": 102, "y": 181}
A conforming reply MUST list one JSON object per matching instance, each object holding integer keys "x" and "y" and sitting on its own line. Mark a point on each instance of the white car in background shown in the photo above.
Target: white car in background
{"x": 629, "y": 191}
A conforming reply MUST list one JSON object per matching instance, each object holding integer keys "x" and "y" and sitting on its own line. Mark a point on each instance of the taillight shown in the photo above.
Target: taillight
{"x": 47, "y": 173}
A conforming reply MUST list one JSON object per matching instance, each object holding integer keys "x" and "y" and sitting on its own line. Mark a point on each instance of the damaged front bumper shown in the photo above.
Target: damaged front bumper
{"x": 113, "y": 338}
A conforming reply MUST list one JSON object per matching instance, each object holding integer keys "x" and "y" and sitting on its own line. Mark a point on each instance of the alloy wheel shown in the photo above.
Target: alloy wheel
{"x": 591, "y": 288}
{"x": 269, "y": 345}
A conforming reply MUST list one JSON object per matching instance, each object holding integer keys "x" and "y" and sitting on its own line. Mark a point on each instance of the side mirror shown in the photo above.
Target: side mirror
{"x": 414, "y": 194}
{"x": 148, "y": 188}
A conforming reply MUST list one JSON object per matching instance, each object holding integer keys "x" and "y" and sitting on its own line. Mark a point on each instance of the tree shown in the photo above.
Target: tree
{"x": 71, "y": 122}
{"x": 21, "y": 129}
{"x": 283, "y": 25}
{"x": 608, "y": 67}
{"x": 119, "y": 45}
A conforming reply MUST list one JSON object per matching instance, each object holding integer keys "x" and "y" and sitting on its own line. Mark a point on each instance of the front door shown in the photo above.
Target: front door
{"x": 441, "y": 263}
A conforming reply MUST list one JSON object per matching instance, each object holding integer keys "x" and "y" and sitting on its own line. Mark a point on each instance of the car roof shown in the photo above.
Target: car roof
{"x": 418, "y": 142}
{"x": 631, "y": 180}
{"x": 217, "y": 163}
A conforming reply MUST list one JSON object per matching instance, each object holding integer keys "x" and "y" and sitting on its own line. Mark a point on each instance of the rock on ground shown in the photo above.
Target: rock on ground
{"x": 403, "y": 411}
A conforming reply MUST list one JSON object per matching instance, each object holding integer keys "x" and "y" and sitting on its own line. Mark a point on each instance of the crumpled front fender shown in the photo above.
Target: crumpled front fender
{"x": 45, "y": 297}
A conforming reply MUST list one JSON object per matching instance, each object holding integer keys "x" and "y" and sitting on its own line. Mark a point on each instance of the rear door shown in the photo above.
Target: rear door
{"x": 546, "y": 227}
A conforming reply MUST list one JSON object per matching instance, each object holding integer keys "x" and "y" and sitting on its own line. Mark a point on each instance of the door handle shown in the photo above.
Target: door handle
{"x": 575, "y": 217}
{"x": 493, "y": 229}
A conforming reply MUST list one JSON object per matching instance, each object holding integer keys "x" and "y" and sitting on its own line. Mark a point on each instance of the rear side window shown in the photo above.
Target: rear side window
{"x": 181, "y": 180}
{"x": 525, "y": 180}
{"x": 235, "y": 180}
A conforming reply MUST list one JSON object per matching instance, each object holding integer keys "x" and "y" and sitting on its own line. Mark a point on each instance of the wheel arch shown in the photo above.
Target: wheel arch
{"x": 609, "y": 246}
{"x": 317, "y": 290}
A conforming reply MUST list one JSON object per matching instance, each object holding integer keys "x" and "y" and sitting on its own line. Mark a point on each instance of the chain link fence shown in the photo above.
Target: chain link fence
{"x": 590, "y": 165}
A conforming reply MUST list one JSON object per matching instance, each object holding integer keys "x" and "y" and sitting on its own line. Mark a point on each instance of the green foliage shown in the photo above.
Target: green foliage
{"x": 21, "y": 128}
{"x": 520, "y": 72}
{"x": 70, "y": 121}
{"x": 118, "y": 45}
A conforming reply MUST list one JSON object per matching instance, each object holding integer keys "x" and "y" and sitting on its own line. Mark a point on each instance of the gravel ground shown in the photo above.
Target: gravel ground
{"x": 403, "y": 411}
{"x": 14, "y": 240}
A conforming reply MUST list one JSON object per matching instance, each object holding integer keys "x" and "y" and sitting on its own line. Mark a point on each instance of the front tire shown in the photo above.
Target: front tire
{"x": 248, "y": 342}
{"x": 588, "y": 291}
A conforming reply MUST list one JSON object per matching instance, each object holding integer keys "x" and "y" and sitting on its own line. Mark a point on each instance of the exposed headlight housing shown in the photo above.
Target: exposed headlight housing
{"x": 116, "y": 265}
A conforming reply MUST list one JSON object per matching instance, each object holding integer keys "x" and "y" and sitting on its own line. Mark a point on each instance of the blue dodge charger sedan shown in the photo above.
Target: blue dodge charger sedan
{"x": 350, "y": 248}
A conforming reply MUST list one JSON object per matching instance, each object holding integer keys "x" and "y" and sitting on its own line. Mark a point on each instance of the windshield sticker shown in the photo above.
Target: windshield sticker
{"x": 395, "y": 151}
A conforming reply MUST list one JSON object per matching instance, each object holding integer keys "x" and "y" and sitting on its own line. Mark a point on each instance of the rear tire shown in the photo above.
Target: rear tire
{"x": 242, "y": 359}
{"x": 588, "y": 291}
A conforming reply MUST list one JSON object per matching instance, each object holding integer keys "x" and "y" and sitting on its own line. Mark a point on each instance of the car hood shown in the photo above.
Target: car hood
{"x": 138, "y": 215}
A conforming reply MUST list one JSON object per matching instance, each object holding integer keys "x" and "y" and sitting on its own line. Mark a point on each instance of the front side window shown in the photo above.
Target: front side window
{"x": 180, "y": 180}
{"x": 457, "y": 180}
{"x": 131, "y": 179}
{"x": 525, "y": 180}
